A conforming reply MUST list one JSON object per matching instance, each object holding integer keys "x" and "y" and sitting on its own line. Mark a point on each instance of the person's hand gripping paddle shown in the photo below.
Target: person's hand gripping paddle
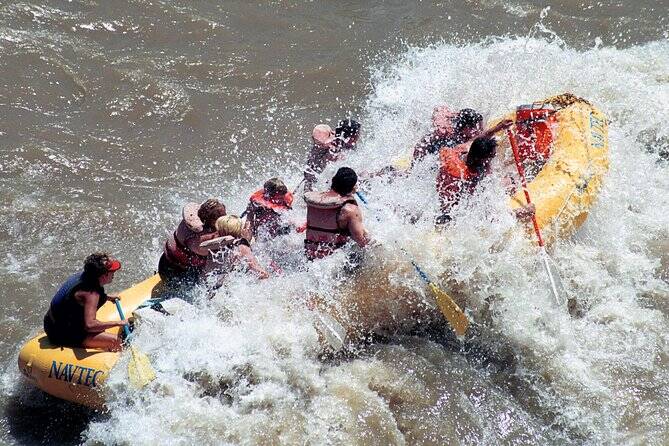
{"x": 140, "y": 371}
{"x": 557, "y": 289}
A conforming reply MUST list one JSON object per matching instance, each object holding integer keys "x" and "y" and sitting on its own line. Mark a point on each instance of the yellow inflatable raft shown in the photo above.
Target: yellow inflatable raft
{"x": 78, "y": 374}
{"x": 567, "y": 186}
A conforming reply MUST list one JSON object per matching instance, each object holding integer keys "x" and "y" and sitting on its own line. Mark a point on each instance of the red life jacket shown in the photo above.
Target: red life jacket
{"x": 323, "y": 235}
{"x": 534, "y": 133}
{"x": 267, "y": 213}
{"x": 176, "y": 248}
{"x": 454, "y": 176}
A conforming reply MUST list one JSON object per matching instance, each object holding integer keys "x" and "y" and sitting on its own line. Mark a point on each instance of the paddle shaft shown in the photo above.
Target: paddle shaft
{"x": 126, "y": 330}
{"x": 523, "y": 182}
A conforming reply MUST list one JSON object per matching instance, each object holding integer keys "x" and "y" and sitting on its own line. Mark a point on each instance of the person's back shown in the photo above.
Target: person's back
{"x": 183, "y": 258}
{"x": 461, "y": 169}
{"x": 64, "y": 322}
{"x": 333, "y": 217}
{"x": 231, "y": 250}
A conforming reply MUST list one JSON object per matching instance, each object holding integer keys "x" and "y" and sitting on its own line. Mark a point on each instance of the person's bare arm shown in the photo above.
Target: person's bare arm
{"x": 251, "y": 261}
{"x": 352, "y": 217}
{"x": 90, "y": 301}
{"x": 502, "y": 125}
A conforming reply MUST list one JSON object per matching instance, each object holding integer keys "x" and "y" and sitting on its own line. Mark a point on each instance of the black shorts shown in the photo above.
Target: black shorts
{"x": 63, "y": 336}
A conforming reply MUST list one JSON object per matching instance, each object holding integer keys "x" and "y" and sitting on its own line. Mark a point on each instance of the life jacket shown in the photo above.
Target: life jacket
{"x": 176, "y": 249}
{"x": 454, "y": 176}
{"x": 225, "y": 258}
{"x": 66, "y": 314}
{"x": 534, "y": 133}
{"x": 267, "y": 213}
{"x": 323, "y": 235}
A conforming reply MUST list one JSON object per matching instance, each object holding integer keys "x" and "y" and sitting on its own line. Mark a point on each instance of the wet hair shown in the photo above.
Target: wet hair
{"x": 481, "y": 149}
{"x": 210, "y": 211}
{"x": 347, "y": 128}
{"x": 95, "y": 266}
{"x": 229, "y": 225}
{"x": 467, "y": 118}
{"x": 344, "y": 181}
{"x": 275, "y": 186}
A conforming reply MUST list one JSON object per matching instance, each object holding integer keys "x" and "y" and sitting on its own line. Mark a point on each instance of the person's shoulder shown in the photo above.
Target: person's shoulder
{"x": 350, "y": 208}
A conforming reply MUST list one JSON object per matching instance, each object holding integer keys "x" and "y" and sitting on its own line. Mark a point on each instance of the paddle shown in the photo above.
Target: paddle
{"x": 557, "y": 289}
{"x": 140, "y": 371}
{"x": 451, "y": 311}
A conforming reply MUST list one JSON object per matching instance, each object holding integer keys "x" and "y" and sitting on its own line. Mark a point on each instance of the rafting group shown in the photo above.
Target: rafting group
{"x": 209, "y": 243}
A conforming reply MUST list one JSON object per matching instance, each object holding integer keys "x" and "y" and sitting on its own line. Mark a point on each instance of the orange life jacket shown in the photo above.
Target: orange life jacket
{"x": 454, "y": 176}
{"x": 323, "y": 235}
{"x": 267, "y": 213}
{"x": 534, "y": 133}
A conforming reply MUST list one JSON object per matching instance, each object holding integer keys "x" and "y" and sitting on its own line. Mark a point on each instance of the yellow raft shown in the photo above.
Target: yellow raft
{"x": 78, "y": 374}
{"x": 568, "y": 184}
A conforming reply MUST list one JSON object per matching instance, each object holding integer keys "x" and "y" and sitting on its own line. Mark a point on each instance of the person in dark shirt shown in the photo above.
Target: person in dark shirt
{"x": 71, "y": 319}
{"x": 449, "y": 129}
{"x": 329, "y": 146}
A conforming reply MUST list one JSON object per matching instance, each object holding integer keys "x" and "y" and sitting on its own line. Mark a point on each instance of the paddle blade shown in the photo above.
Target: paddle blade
{"x": 140, "y": 371}
{"x": 330, "y": 329}
{"x": 451, "y": 311}
{"x": 554, "y": 281}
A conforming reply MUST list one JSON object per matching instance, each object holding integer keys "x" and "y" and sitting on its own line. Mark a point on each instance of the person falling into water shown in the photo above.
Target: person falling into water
{"x": 333, "y": 217}
{"x": 71, "y": 319}
{"x": 329, "y": 146}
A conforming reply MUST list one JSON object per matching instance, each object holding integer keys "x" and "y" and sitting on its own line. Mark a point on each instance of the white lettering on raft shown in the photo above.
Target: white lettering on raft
{"x": 74, "y": 374}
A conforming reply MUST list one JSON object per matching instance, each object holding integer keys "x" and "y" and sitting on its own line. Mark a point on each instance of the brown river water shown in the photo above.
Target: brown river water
{"x": 113, "y": 114}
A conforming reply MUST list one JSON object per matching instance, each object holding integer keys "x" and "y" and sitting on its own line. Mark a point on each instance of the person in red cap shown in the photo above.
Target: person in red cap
{"x": 71, "y": 319}
{"x": 266, "y": 208}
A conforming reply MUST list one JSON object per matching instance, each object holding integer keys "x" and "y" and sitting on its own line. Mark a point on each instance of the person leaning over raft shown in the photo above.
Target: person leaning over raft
{"x": 266, "y": 208}
{"x": 328, "y": 147}
{"x": 183, "y": 258}
{"x": 71, "y": 319}
{"x": 231, "y": 250}
{"x": 333, "y": 217}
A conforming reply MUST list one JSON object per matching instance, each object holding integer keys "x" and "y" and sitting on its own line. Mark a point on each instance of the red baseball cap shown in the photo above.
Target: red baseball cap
{"x": 112, "y": 265}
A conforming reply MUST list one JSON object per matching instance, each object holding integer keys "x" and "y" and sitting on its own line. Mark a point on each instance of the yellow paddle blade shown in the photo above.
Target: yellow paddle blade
{"x": 451, "y": 311}
{"x": 140, "y": 371}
